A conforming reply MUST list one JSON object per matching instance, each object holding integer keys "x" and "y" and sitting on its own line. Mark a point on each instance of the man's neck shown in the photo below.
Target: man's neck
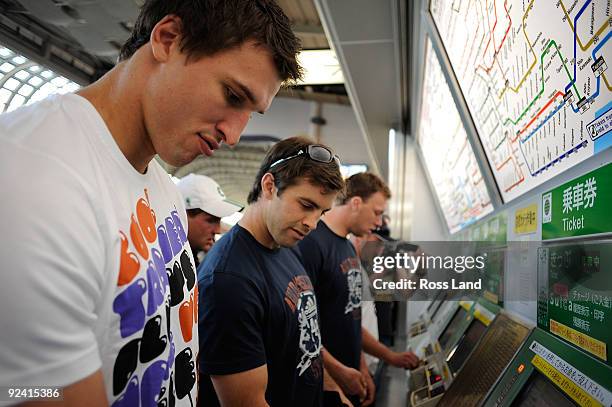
{"x": 337, "y": 220}
{"x": 254, "y": 222}
{"x": 117, "y": 98}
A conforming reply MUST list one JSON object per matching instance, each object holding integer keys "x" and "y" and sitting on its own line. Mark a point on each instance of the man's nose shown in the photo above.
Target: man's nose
{"x": 379, "y": 221}
{"x": 311, "y": 221}
{"x": 232, "y": 127}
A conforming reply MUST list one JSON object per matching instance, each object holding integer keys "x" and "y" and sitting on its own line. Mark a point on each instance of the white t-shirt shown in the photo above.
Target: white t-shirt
{"x": 96, "y": 269}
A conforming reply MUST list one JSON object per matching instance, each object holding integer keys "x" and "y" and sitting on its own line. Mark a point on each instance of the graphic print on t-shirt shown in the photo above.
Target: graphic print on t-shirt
{"x": 155, "y": 366}
{"x": 310, "y": 336}
{"x": 301, "y": 299}
{"x": 352, "y": 268}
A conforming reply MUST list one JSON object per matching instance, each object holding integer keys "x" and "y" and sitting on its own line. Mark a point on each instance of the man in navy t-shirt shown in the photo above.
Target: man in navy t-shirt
{"x": 335, "y": 271}
{"x": 259, "y": 329}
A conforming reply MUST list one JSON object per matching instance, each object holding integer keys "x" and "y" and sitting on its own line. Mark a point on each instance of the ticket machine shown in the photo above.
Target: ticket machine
{"x": 425, "y": 319}
{"x": 549, "y": 372}
{"x": 487, "y": 361}
{"x": 445, "y": 356}
{"x": 566, "y": 361}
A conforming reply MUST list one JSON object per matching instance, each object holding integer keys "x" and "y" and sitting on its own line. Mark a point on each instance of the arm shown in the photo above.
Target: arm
{"x": 350, "y": 380}
{"x": 232, "y": 350}
{"x": 53, "y": 261}
{"x": 244, "y": 389}
{"x": 370, "y": 386}
{"x": 375, "y": 348}
{"x": 90, "y": 388}
{"x": 330, "y": 385}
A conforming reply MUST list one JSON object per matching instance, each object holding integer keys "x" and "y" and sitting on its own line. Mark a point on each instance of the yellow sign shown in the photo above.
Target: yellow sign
{"x": 592, "y": 345}
{"x": 479, "y": 315}
{"x": 569, "y": 387}
{"x": 466, "y": 304}
{"x": 491, "y": 297}
{"x": 526, "y": 220}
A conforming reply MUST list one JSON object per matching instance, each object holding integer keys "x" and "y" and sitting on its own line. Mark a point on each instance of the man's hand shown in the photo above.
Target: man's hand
{"x": 351, "y": 381}
{"x": 370, "y": 388}
{"x": 330, "y": 385}
{"x": 344, "y": 399}
{"x": 407, "y": 360}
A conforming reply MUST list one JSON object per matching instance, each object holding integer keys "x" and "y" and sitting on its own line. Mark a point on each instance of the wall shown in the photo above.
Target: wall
{"x": 291, "y": 117}
{"x": 521, "y": 268}
{"x": 427, "y": 224}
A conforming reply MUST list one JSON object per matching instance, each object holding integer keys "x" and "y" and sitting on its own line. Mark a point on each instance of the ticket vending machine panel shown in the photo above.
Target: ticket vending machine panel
{"x": 540, "y": 392}
{"x": 446, "y": 356}
{"x": 428, "y": 382}
{"x": 419, "y": 327}
{"x": 549, "y": 372}
{"x": 459, "y": 322}
{"x": 460, "y": 352}
{"x": 486, "y": 363}
{"x": 483, "y": 313}
{"x": 422, "y": 344}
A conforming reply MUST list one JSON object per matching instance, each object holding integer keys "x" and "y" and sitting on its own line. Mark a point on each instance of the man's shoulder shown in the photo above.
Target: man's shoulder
{"x": 53, "y": 113}
{"x": 320, "y": 241}
{"x": 233, "y": 253}
{"x": 162, "y": 180}
{"x": 60, "y": 127}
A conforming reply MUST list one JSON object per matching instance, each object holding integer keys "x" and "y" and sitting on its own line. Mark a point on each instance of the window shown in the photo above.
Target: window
{"x": 23, "y": 81}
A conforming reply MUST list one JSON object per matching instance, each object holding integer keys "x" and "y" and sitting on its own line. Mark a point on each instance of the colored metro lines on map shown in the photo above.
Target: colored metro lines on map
{"x": 449, "y": 157}
{"x": 536, "y": 81}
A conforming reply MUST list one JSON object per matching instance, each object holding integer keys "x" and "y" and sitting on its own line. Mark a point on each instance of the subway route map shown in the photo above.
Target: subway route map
{"x": 535, "y": 78}
{"x": 449, "y": 158}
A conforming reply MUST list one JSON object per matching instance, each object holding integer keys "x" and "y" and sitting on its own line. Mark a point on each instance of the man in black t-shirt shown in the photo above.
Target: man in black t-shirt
{"x": 335, "y": 271}
{"x": 258, "y": 319}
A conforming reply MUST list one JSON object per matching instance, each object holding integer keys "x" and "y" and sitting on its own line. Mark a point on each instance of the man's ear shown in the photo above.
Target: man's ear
{"x": 165, "y": 37}
{"x": 355, "y": 203}
{"x": 268, "y": 188}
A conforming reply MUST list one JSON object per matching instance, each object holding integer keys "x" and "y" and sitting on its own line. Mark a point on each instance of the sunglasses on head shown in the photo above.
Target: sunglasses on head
{"x": 315, "y": 152}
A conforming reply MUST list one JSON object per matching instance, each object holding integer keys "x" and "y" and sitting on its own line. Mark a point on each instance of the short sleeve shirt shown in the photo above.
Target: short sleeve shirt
{"x": 257, "y": 306}
{"x": 97, "y": 271}
{"x": 335, "y": 270}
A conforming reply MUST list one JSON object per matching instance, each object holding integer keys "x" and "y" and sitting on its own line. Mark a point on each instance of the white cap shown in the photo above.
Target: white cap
{"x": 202, "y": 192}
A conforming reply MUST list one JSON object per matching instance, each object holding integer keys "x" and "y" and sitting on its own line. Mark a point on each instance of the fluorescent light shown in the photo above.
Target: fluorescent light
{"x": 320, "y": 67}
{"x": 351, "y": 169}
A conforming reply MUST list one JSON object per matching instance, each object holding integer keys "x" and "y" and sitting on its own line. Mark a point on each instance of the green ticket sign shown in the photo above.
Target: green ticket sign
{"x": 492, "y": 230}
{"x": 490, "y": 238}
{"x": 575, "y": 295}
{"x": 579, "y": 207}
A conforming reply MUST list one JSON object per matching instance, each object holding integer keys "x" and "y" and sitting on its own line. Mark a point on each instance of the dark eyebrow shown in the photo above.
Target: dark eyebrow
{"x": 245, "y": 89}
{"x": 311, "y": 202}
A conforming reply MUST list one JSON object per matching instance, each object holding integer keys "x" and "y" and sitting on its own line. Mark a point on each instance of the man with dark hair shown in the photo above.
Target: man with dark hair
{"x": 336, "y": 273}
{"x": 259, "y": 328}
{"x": 99, "y": 298}
{"x": 208, "y": 27}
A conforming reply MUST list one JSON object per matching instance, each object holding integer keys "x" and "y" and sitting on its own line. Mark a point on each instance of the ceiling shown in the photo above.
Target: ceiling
{"x": 80, "y": 39}
{"x": 371, "y": 41}
{"x": 101, "y": 26}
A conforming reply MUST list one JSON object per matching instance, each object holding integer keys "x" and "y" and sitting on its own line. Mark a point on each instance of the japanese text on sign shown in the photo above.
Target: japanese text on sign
{"x": 594, "y": 389}
{"x": 580, "y": 196}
